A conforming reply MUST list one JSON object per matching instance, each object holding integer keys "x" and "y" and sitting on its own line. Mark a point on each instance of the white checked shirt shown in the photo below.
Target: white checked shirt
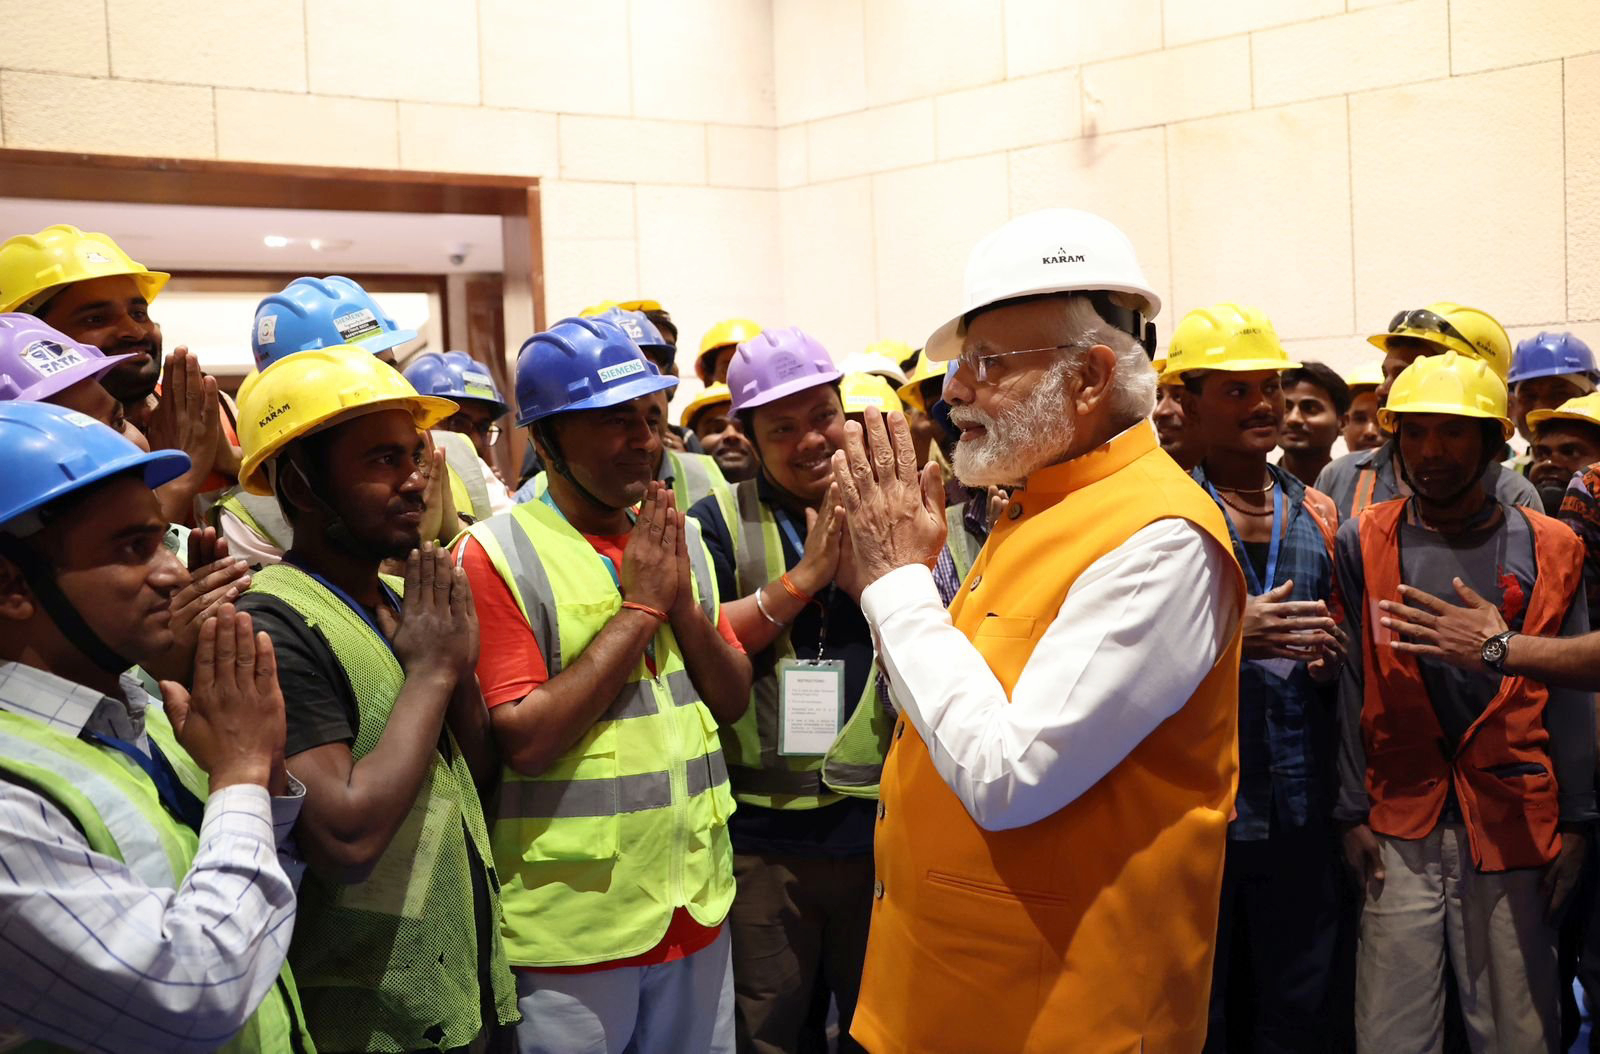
{"x": 94, "y": 959}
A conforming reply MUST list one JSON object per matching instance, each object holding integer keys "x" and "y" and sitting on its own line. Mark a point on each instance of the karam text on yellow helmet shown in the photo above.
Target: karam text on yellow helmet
{"x": 857, "y": 391}
{"x": 1226, "y": 337}
{"x": 1458, "y": 385}
{"x": 311, "y": 390}
{"x": 1453, "y": 327}
{"x": 34, "y": 266}
{"x": 1585, "y": 408}
{"x": 710, "y": 396}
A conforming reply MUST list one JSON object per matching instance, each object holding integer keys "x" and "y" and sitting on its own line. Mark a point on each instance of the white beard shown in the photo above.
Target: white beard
{"x": 1028, "y": 435}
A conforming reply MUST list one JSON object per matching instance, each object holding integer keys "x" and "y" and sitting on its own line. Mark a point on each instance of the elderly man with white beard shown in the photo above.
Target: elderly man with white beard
{"x": 1054, "y": 806}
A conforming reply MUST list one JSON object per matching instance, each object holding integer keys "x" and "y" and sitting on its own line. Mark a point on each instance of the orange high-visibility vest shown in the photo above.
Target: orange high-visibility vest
{"x": 1501, "y": 769}
{"x": 1093, "y": 929}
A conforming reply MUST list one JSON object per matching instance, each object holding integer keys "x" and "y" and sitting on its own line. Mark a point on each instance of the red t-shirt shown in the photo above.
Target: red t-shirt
{"x": 510, "y": 666}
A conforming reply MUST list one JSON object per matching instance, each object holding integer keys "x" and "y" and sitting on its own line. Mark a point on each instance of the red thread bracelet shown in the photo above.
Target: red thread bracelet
{"x": 647, "y": 609}
{"x": 794, "y": 590}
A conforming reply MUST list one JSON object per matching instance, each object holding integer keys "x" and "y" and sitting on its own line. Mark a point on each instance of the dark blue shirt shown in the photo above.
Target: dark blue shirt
{"x": 1287, "y": 727}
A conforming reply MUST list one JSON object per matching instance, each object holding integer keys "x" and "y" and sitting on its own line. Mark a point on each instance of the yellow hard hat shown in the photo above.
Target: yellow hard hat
{"x": 1585, "y": 408}
{"x": 857, "y": 391}
{"x": 625, "y": 305}
{"x": 1225, "y": 337}
{"x": 924, "y": 369}
{"x": 1464, "y": 386}
{"x": 598, "y": 309}
{"x": 728, "y": 331}
{"x": 896, "y": 351}
{"x": 305, "y": 392}
{"x": 34, "y": 266}
{"x": 710, "y": 396}
{"x": 1452, "y": 327}
{"x": 1366, "y": 375}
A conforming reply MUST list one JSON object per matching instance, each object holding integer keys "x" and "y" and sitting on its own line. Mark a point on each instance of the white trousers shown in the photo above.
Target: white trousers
{"x": 1433, "y": 905}
{"x": 683, "y": 1007}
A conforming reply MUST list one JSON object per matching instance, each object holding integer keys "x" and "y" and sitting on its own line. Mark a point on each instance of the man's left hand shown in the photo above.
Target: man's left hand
{"x": 895, "y": 515}
{"x": 1561, "y": 874}
{"x": 1441, "y": 630}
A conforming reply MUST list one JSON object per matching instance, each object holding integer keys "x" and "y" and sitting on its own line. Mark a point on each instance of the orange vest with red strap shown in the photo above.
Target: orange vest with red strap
{"x": 1501, "y": 770}
{"x": 1093, "y": 929}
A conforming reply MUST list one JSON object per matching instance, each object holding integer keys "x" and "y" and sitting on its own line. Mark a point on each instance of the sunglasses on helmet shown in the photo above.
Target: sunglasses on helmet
{"x": 1425, "y": 321}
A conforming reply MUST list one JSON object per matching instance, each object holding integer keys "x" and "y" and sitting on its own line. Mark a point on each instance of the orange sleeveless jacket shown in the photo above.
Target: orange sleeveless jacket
{"x": 1093, "y": 929}
{"x": 1501, "y": 770}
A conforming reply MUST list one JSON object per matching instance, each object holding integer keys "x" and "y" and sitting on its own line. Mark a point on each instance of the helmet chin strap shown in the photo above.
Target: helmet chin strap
{"x": 41, "y": 579}
{"x": 335, "y": 531}
{"x": 1477, "y": 480}
{"x": 558, "y": 463}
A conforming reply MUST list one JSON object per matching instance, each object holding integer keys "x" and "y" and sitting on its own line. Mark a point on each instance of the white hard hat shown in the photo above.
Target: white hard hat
{"x": 872, "y": 362}
{"x": 1049, "y": 251}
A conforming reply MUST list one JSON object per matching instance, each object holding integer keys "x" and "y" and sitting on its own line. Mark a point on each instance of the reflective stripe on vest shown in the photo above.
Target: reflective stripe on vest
{"x": 694, "y": 476}
{"x": 466, "y": 469}
{"x": 396, "y": 954}
{"x": 1366, "y": 484}
{"x": 598, "y": 849}
{"x": 118, "y": 811}
{"x": 762, "y": 776}
{"x": 259, "y": 513}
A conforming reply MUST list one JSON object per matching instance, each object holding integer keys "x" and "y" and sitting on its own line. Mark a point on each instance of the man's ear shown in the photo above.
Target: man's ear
{"x": 17, "y": 603}
{"x": 292, "y": 484}
{"x": 1095, "y": 379}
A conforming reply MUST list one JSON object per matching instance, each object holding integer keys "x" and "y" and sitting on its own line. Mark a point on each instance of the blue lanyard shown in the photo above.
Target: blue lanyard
{"x": 350, "y": 601}
{"x": 1279, "y": 514}
{"x": 178, "y": 799}
{"x": 786, "y": 524}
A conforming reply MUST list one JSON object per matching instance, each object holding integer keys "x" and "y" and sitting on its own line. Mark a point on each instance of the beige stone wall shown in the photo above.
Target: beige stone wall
{"x": 830, "y": 162}
{"x": 1325, "y": 160}
{"x": 651, "y": 122}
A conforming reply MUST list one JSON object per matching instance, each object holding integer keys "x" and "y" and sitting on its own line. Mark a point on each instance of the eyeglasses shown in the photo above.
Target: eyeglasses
{"x": 488, "y": 431}
{"x": 982, "y": 363}
{"x": 1428, "y": 322}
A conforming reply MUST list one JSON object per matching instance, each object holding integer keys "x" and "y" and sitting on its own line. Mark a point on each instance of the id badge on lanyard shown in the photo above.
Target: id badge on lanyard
{"x": 810, "y": 706}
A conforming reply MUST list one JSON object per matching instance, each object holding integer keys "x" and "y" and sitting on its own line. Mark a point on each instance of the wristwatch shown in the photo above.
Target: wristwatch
{"x": 1493, "y": 652}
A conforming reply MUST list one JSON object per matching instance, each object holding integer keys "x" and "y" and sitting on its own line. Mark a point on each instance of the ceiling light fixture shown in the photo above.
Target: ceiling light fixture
{"x": 275, "y": 241}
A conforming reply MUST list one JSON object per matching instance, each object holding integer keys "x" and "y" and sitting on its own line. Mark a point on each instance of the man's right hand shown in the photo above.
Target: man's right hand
{"x": 650, "y": 569}
{"x": 232, "y": 721}
{"x": 436, "y": 632}
{"x": 820, "y": 562}
{"x": 1363, "y": 854}
{"x": 1278, "y": 628}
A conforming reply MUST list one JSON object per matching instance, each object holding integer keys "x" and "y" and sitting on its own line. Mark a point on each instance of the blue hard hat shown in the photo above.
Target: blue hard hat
{"x": 636, "y": 325}
{"x": 454, "y": 375}
{"x": 582, "y": 364}
{"x": 314, "y": 313}
{"x": 1552, "y": 355}
{"x": 48, "y": 451}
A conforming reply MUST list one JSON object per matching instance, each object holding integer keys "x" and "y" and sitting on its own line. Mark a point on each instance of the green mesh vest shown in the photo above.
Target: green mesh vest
{"x": 119, "y": 812}
{"x": 760, "y": 775}
{"x": 392, "y": 963}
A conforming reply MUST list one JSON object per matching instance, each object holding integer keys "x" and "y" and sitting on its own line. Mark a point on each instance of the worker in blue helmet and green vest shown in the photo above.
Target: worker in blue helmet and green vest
{"x": 689, "y": 473}
{"x": 398, "y": 942}
{"x": 607, "y": 665}
{"x": 148, "y": 894}
{"x": 310, "y": 314}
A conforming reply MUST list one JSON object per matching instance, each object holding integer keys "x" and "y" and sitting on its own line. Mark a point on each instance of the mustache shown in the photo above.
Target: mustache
{"x": 965, "y": 416}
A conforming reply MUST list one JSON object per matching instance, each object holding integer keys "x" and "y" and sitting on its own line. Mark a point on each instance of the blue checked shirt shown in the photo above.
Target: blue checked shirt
{"x": 1287, "y": 731}
{"x": 91, "y": 958}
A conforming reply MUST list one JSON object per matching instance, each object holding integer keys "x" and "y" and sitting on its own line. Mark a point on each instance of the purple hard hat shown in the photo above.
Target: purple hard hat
{"x": 37, "y": 362}
{"x": 775, "y": 364}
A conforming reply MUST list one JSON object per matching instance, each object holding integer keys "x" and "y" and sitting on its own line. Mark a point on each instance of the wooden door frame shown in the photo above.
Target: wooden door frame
{"x": 241, "y": 184}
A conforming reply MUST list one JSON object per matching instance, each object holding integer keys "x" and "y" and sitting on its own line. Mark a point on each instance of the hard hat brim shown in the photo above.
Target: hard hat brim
{"x": 426, "y": 411}
{"x": 648, "y": 384}
{"x": 386, "y": 341}
{"x": 699, "y": 406}
{"x": 1539, "y": 417}
{"x": 158, "y": 467}
{"x": 1237, "y": 366}
{"x": 1439, "y": 340}
{"x": 89, "y": 369}
{"x": 788, "y": 388}
{"x": 945, "y": 343}
{"x": 1386, "y": 416}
